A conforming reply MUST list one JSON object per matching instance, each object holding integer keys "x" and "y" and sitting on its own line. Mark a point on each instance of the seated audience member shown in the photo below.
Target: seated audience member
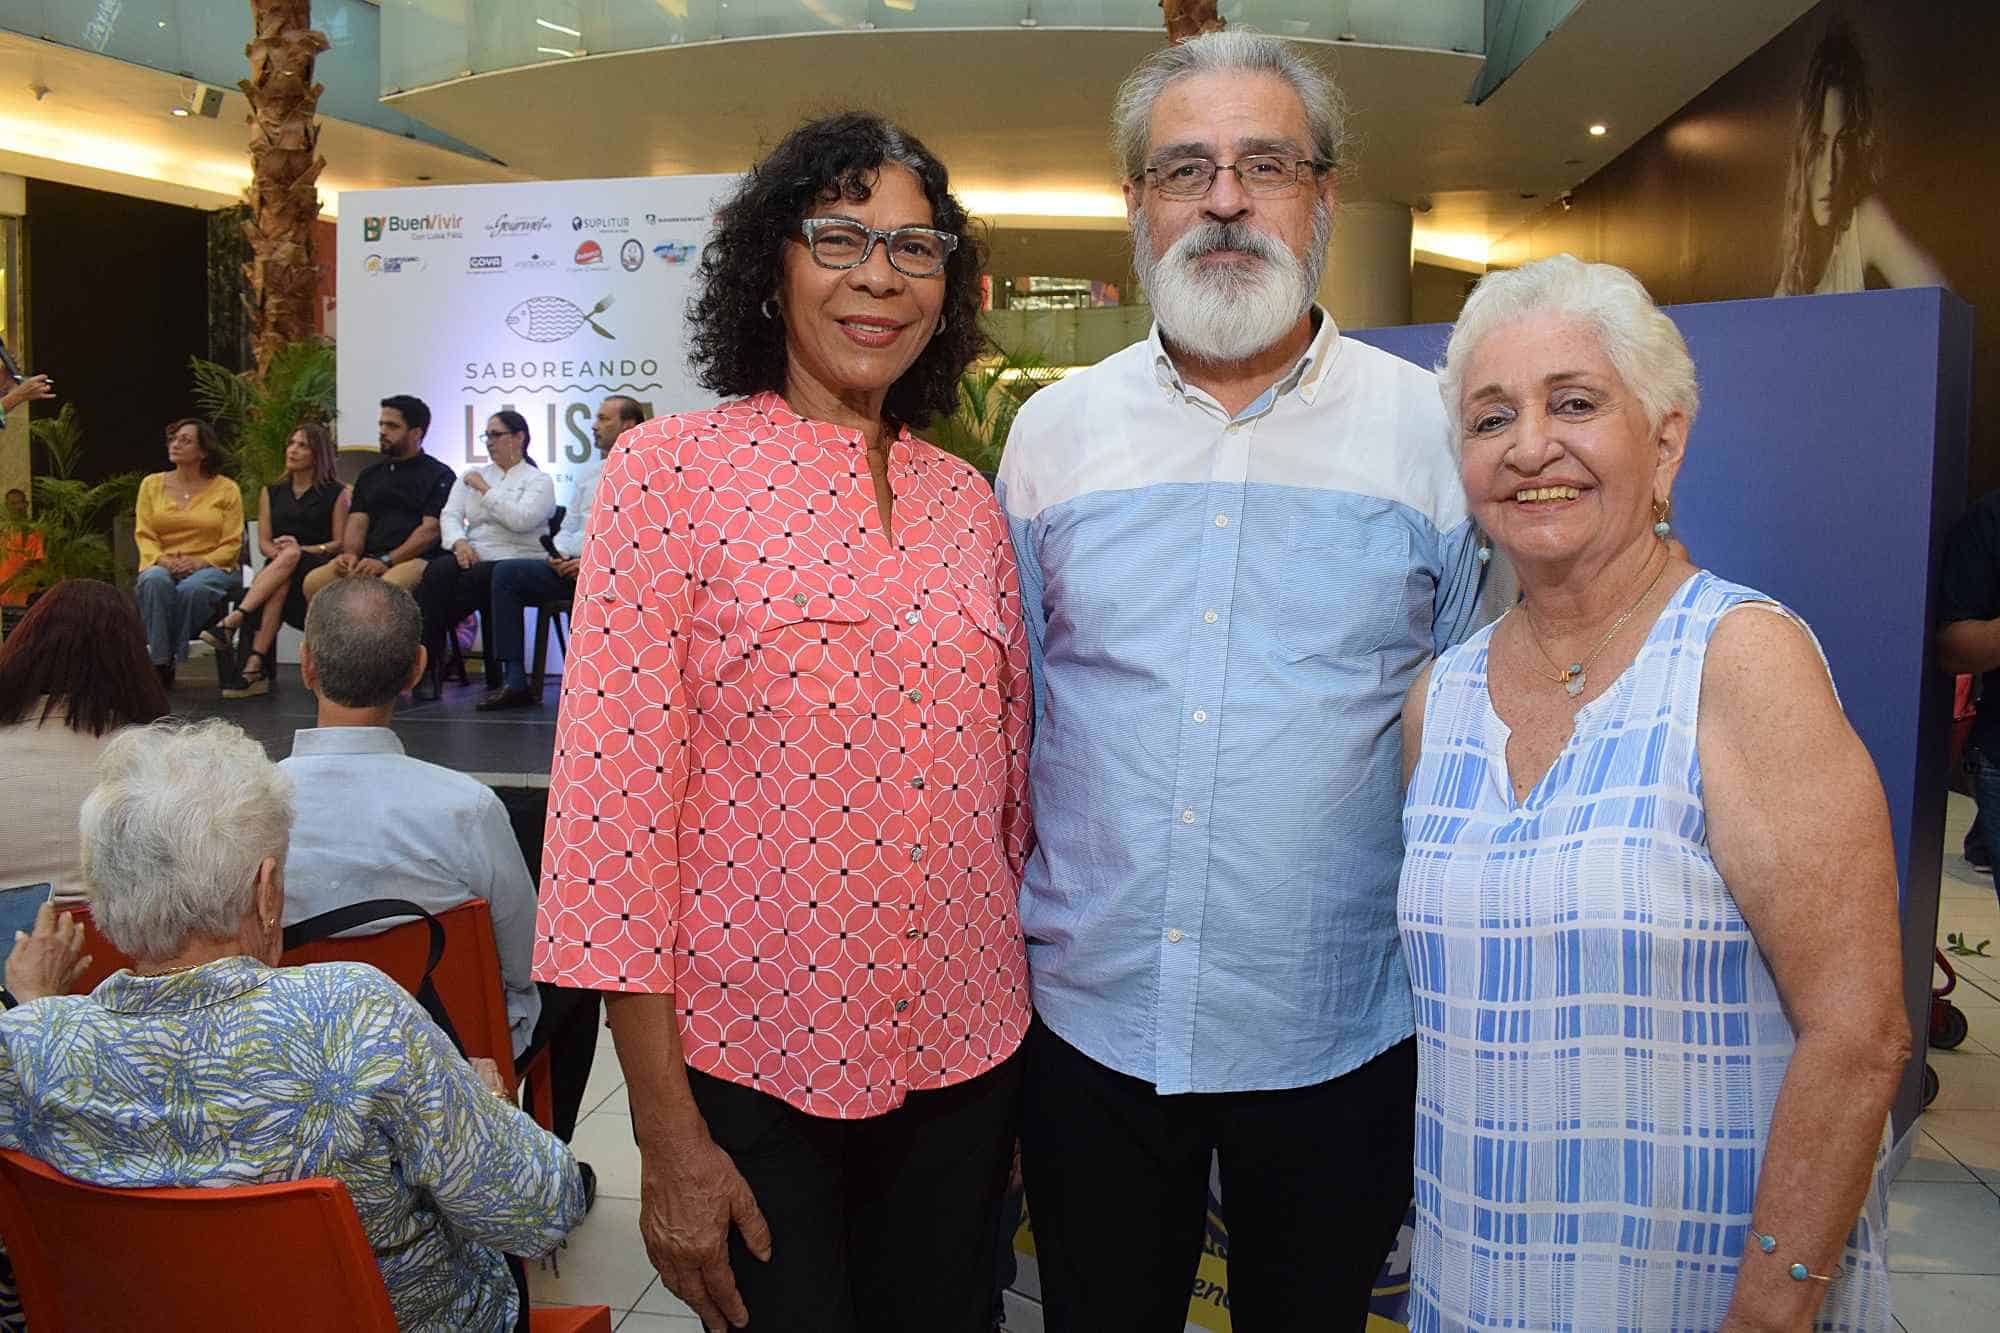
{"x": 189, "y": 527}
{"x": 207, "y": 1065}
{"x": 298, "y": 517}
{"x": 496, "y": 512}
{"x": 392, "y": 516}
{"x": 397, "y": 827}
{"x": 71, "y": 675}
{"x": 519, "y": 584}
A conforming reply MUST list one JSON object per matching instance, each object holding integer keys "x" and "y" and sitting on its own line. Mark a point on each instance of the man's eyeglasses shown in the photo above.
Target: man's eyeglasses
{"x": 914, "y": 252}
{"x": 1260, "y": 173}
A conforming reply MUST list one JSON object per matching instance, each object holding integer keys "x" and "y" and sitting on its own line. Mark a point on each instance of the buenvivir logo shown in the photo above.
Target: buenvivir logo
{"x": 428, "y": 227}
{"x": 589, "y": 254}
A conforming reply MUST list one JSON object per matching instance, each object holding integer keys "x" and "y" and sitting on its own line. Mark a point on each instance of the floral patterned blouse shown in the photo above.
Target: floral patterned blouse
{"x": 235, "y": 1073}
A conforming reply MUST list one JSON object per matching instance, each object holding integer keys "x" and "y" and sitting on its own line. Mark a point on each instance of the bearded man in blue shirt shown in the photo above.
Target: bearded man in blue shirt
{"x": 1239, "y": 541}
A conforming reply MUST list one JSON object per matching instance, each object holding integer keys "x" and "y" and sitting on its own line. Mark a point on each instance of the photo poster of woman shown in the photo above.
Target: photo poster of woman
{"x": 1853, "y": 151}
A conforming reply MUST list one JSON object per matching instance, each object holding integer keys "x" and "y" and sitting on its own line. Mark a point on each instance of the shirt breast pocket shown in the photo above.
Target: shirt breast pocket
{"x": 1347, "y": 589}
{"x": 807, "y": 653}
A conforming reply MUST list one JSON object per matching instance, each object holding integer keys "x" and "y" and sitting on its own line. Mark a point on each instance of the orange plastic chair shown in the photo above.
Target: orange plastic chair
{"x": 290, "y": 1256}
{"x": 104, "y": 958}
{"x": 467, "y": 979}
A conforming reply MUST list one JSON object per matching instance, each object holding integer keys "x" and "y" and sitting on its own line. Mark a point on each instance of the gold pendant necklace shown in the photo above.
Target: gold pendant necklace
{"x": 1574, "y": 676}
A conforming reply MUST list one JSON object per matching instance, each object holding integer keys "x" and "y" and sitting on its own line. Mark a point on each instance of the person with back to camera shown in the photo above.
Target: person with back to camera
{"x": 299, "y": 519}
{"x": 787, "y": 812}
{"x": 73, "y": 674}
{"x": 189, "y": 528}
{"x": 1648, "y": 898}
{"x": 207, "y": 1064}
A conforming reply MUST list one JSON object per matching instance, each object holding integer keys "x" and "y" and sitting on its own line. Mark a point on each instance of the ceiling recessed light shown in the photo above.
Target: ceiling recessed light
{"x": 180, "y": 111}
{"x": 1599, "y": 131}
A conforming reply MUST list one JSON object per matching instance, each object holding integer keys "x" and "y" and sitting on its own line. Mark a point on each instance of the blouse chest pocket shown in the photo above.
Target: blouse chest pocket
{"x": 805, "y": 652}
{"x": 970, "y": 637}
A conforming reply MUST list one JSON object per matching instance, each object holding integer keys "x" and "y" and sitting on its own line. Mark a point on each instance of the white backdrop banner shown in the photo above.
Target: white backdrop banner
{"x": 545, "y": 297}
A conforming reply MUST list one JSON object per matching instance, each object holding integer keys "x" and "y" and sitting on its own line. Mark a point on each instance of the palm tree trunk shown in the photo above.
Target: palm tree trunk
{"x": 284, "y": 169}
{"x": 1190, "y": 18}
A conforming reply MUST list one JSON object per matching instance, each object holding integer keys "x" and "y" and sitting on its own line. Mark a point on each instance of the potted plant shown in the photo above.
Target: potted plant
{"x": 68, "y": 522}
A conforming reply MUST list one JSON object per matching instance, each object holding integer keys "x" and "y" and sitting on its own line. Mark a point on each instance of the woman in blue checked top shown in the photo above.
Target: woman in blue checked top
{"x": 1648, "y": 901}
{"x": 207, "y": 1065}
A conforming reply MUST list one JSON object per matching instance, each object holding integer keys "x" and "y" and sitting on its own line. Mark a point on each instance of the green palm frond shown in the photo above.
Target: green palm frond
{"x": 70, "y": 517}
{"x": 989, "y": 396}
{"x": 255, "y": 417}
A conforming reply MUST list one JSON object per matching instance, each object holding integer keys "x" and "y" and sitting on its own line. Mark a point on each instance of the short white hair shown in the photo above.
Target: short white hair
{"x": 181, "y": 817}
{"x": 1232, "y": 51}
{"x": 1640, "y": 342}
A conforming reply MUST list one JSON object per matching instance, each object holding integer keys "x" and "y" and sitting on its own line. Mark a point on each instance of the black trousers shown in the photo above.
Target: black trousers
{"x": 568, "y": 1028}
{"x": 1315, "y": 1183}
{"x": 883, "y": 1225}
{"x": 447, "y": 594}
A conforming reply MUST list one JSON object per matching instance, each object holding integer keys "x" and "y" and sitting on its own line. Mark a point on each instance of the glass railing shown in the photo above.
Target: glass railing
{"x": 204, "y": 39}
{"x": 427, "y": 42}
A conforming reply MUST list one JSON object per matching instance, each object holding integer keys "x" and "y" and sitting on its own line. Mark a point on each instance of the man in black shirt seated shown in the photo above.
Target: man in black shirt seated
{"x": 392, "y": 522}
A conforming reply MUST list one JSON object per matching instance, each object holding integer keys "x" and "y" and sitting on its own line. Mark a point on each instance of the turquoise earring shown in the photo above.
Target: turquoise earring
{"x": 1661, "y": 527}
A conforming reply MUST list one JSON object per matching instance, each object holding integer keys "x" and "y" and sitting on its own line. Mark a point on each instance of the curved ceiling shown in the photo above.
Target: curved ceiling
{"x": 1020, "y": 115}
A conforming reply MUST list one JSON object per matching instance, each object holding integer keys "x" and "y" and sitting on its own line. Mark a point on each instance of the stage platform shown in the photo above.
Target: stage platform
{"x": 510, "y": 749}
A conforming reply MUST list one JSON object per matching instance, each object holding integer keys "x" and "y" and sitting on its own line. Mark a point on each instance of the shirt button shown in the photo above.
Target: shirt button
{"x": 913, "y": 617}
{"x": 912, "y": 933}
{"x": 918, "y": 782}
{"x": 901, "y": 1005}
{"x": 1209, "y": 616}
{"x": 1187, "y": 816}
{"x": 798, "y": 599}
{"x": 1174, "y": 935}
{"x": 1222, "y": 520}
{"x": 1201, "y": 715}
{"x": 914, "y": 696}
{"x": 917, "y": 852}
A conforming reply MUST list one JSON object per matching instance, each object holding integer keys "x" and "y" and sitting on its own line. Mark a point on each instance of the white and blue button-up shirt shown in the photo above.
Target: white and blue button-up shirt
{"x": 1224, "y": 615}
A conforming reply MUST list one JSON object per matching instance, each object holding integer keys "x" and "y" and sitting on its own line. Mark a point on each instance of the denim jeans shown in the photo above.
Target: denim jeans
{"x": 1985, "y": 775}
{"x": 173, "y": 610}
{"x": 517, "y": 585}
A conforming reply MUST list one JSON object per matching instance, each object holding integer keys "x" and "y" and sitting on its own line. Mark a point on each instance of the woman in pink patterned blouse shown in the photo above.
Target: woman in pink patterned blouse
{"x": 787, "y": 816}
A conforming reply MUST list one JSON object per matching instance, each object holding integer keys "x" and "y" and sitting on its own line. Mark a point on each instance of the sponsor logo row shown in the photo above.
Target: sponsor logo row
{"x": 452, "y": 226}
{"x": 589, "y": 256}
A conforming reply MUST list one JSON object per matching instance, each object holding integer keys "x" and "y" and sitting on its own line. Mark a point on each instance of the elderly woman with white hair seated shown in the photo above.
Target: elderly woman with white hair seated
{"x": 1649, "y": 900}
{"x": 206, "y": 1064}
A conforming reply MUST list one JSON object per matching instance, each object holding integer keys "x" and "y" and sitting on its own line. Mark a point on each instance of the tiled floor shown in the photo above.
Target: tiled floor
{"x": 1944, "y": 1211}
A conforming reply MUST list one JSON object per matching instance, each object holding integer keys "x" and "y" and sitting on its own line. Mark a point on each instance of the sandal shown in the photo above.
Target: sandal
{"x": 221, "y": 633}
{"x": 253, "y": 681}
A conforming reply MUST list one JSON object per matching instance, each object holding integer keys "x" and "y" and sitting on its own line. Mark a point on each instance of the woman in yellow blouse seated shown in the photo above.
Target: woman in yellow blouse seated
{"x": 190, "y": 534}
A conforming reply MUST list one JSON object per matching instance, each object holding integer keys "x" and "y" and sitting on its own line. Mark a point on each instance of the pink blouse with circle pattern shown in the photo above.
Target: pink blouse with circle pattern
{"x": 790, "y": 779}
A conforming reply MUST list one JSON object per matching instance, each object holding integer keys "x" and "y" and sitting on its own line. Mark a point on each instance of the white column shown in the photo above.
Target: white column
{"x": 1367, "y": 280}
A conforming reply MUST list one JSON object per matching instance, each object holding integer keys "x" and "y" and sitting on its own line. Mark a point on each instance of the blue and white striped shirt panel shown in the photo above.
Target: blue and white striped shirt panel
{"x": 1224, "y": 617}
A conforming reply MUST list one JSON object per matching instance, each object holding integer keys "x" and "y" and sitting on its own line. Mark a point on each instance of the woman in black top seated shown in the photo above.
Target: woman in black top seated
{"x": 299, "y": 521}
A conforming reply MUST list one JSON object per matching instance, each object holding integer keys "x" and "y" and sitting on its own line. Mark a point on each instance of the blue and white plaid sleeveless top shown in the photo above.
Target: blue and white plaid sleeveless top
{"x": 1600, "y": 1042}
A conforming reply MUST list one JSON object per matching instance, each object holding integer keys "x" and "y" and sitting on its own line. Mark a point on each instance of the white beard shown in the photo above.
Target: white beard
{"x": 1234, "y": 312}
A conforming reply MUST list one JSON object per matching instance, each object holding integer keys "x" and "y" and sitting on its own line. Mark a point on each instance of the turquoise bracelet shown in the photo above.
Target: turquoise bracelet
{"x": 1799, "y": 1272}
